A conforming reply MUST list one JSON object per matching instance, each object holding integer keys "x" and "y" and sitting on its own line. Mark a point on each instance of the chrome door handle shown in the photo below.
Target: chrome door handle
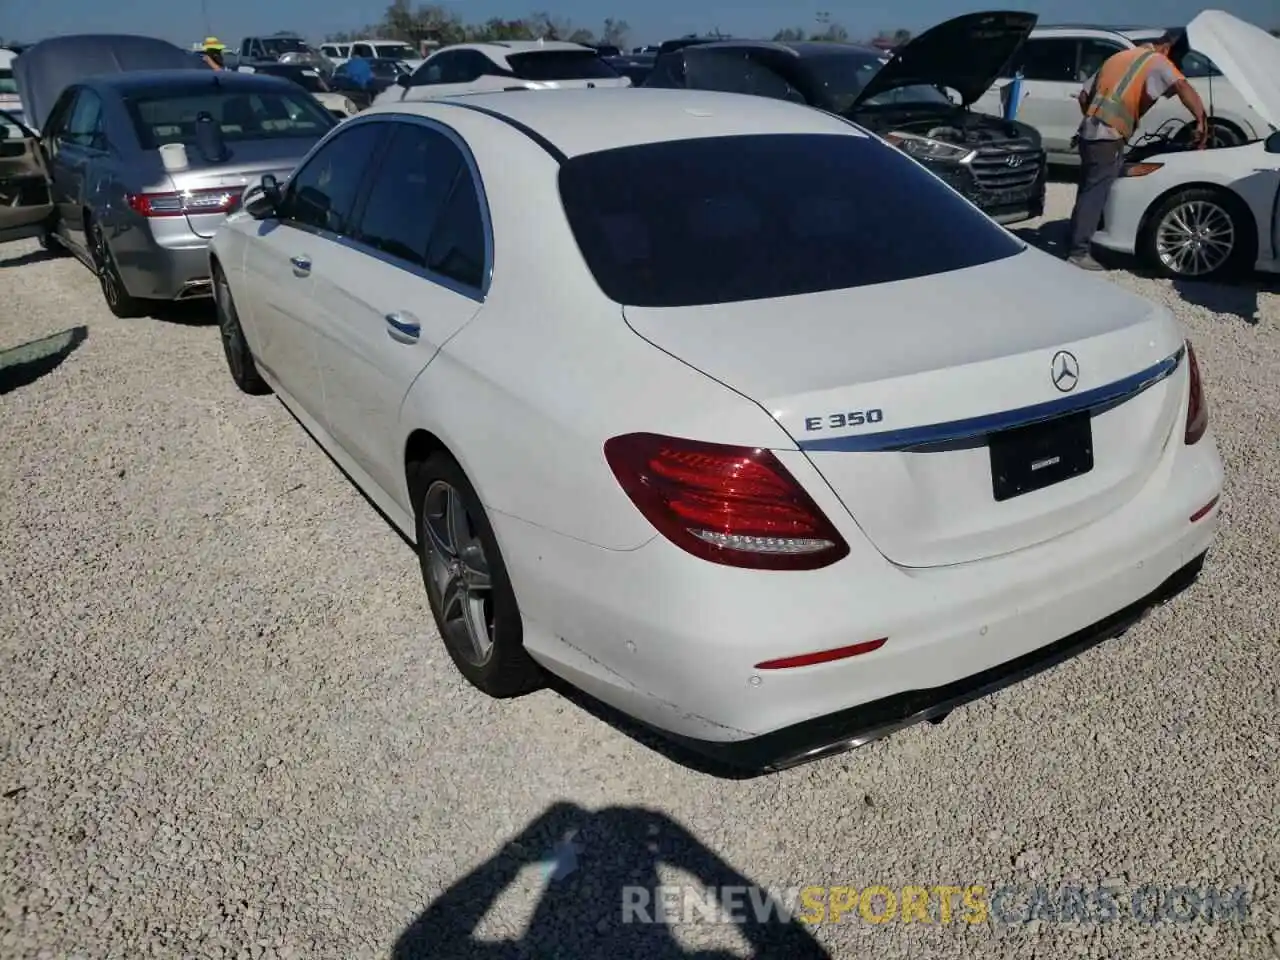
{"x": 403, "y": 327}
{"x": 301, "y": 265}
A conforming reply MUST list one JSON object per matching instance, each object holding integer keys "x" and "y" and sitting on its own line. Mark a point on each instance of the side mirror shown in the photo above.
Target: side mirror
{"x": 262, "y": 200}
{"x": 1273, "y": 143}
{"x": 404, "y": 80}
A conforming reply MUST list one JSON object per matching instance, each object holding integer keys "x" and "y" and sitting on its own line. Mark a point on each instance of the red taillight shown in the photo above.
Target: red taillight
{"x": 733, "y": 505}
{"x": 180, "y": 204}
{"x": 1197, "y": 409}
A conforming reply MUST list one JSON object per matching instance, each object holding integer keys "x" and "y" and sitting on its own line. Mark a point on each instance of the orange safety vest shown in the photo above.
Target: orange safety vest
{"x": 1120, "y": 92}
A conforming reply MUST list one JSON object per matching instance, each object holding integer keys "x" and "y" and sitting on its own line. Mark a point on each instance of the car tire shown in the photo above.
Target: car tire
{"x": 466, "y": 580}
{"x": 240, "y": 362}
{"x": 1167, "y": 238}
{"x": 119, "y": 301}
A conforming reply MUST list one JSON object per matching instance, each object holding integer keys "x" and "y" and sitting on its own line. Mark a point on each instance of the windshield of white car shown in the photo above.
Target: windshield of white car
{"x": 548, "y": 65}
{"x": 394, "y": 51}
{"x": 170, "y": 117}
{"x": 711, "y": 220}
{"x": 837, "y": 80}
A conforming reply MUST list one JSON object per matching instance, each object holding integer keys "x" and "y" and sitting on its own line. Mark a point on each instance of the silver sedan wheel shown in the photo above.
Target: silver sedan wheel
{"x": 1195, "y": 238}
{"x": 458, "y": 572}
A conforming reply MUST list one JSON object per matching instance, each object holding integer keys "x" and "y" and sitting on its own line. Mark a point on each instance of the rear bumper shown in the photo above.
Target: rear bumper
{"x": 165, "y": 263}
{"x": 860, "y": 725}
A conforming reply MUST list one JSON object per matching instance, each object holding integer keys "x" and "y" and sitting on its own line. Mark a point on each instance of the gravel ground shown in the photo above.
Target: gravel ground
{"x": 229, "y": 728}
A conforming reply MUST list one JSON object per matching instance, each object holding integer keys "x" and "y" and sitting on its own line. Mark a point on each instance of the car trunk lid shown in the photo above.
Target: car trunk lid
{"x": 894, "y": 395}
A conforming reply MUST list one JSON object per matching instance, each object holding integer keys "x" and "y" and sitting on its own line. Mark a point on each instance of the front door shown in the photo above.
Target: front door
{"x": 313, "y": 217}
{"x": 26, "y": 202}
{"x": 415, "y": 275}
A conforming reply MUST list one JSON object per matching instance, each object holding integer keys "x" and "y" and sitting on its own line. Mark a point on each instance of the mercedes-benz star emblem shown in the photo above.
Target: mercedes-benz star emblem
{"x": 1065, "y": 371}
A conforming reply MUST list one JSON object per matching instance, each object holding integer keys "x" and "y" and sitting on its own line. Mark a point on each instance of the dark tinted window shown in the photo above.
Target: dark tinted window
{"x": 1050, "y": 58}
{"x": 7, "y": 83}
{"x": 454, "y": 66}
{"x": 409, "y": 188}
{"x": 260, "y": 115}
{"x": 692, "y": 222}
{"x": 560, "y": 65}
{"x": 457, "y": 245}
{"x": 836, "y": 80}
{"x": 323, "y": 193}
{"x": 736, "y": 71}
{"x": 84, "y": 124}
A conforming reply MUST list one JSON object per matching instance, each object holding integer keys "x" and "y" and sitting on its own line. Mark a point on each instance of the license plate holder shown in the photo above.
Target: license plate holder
{"x": 1040, "y": 455}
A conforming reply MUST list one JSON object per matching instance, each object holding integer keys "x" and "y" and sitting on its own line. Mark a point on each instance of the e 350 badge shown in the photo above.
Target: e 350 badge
{"x": 838, "y": 421}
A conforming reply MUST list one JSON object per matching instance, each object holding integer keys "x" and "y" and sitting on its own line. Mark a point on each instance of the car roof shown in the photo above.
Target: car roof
{"x": 801, "y": 48}
{"x": 579, "y": 121}
{"x": 138, "y": 81}
{"x": 503, "y": 48}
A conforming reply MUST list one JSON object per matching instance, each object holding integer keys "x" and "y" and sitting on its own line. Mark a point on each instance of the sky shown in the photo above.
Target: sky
{"x": 184, "y": 21}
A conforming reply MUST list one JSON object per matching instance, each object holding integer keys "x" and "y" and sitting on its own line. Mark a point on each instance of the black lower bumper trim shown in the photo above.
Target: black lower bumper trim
{"x": 849, "y": 729}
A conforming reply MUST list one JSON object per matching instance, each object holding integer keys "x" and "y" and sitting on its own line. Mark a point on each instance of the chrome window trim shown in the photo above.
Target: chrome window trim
{"x": 478, "y": 294}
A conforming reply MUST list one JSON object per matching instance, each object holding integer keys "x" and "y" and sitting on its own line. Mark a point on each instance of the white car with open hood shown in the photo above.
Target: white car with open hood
{"x": 1198, "y": 214}
{"x": 774, "y": 464}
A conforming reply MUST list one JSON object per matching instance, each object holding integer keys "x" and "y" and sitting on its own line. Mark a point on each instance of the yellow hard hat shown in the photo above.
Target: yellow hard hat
{"x": 213, "y": 43}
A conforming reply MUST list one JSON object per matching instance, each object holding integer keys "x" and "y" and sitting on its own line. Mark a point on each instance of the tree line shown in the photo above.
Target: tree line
{"x": 442, "y": 25}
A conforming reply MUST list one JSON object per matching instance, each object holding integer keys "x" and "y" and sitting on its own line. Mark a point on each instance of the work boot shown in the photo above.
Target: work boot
{"x": 1085, "y": 261}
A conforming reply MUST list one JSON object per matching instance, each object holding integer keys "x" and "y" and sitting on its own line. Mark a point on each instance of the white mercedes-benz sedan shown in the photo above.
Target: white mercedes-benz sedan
{"x": 720, "y": 408}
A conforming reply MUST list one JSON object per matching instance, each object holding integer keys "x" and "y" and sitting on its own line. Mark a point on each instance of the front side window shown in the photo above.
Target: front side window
{"x": 548, "y": 65}
{"x": 690, "y": 222}
{"x": 84, "y": 125}
{"x": 362, "y": 50}
{"x": 409, "y": 190}
{"x": 279, "y": 46}
{"x": 170, "y": 117}
{"x": 394, "y": 51}
{"x": 322, "y": 194}
{"x": 1093, "y": 54}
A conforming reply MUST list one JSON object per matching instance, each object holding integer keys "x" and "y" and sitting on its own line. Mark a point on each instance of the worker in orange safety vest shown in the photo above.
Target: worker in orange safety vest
{"x": 1113, "y": 102}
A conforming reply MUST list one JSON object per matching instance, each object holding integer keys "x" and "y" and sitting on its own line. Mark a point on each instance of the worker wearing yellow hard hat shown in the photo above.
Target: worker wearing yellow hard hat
{"x": 212, "y": 49}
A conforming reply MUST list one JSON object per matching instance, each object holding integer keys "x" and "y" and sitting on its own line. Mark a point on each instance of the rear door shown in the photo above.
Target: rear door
{"x": 416, "y": 274}
{"x": 312, "y": 221}
{"x": 26, "y": 203}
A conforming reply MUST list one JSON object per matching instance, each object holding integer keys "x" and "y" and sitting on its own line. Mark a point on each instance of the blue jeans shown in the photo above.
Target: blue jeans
{"x": 1100, "y": 164}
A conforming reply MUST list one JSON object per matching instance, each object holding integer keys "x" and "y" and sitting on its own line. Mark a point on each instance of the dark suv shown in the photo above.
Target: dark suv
{"x": 917, "y": 98}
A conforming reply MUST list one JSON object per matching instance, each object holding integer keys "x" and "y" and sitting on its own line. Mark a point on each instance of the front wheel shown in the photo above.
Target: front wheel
{"x": 467, "y": 585}
{"x": 234, "y": 345}
{"x": 1199, "y": 234}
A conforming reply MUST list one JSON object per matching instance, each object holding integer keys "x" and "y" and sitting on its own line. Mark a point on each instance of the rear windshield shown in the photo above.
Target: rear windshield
{"x": 726, "y": 219}
{"x": 260, "y": 115}
{"x": 560, "y": 65}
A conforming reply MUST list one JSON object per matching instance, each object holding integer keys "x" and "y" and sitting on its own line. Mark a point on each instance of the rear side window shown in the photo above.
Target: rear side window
{"x": 457, "y": 245}
{"x": 691, "y": 222}
{"x": 560, "y": 65}
{"x": 1049, "y": 58}
{"x": 409, "y": 189}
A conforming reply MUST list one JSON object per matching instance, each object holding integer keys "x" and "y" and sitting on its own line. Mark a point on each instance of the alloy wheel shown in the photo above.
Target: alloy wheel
{"x": 1195, "y": 238}
{"x": 458, "y": 572}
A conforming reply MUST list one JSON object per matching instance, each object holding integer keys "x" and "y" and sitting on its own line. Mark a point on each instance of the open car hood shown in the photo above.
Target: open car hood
{"x": 47, "y": 68}
{"x": 1247, "y": 55}
{"x": 965, "y": 54}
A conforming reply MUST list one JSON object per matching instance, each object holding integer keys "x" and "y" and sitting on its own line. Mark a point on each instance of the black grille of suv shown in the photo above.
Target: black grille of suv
{"x": 1008, "y": 166}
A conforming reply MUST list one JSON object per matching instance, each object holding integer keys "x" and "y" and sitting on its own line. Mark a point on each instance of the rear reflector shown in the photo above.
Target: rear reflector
{"x": 1204, "y": 511}
{"x": 180, "y": 204}
{"x": 823, "y": 656}
{"x": 737, "y": 506}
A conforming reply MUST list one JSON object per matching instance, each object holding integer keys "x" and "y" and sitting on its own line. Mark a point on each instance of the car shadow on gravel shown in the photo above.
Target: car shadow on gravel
{"x": 184, "y": 313}
{"x": 38, "y": 255}
{"x": 602, "y": 896}
{"x": 1051, "y": 237}
{"x": 1232, "y": 299}
{"x": 25, "y": 364}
